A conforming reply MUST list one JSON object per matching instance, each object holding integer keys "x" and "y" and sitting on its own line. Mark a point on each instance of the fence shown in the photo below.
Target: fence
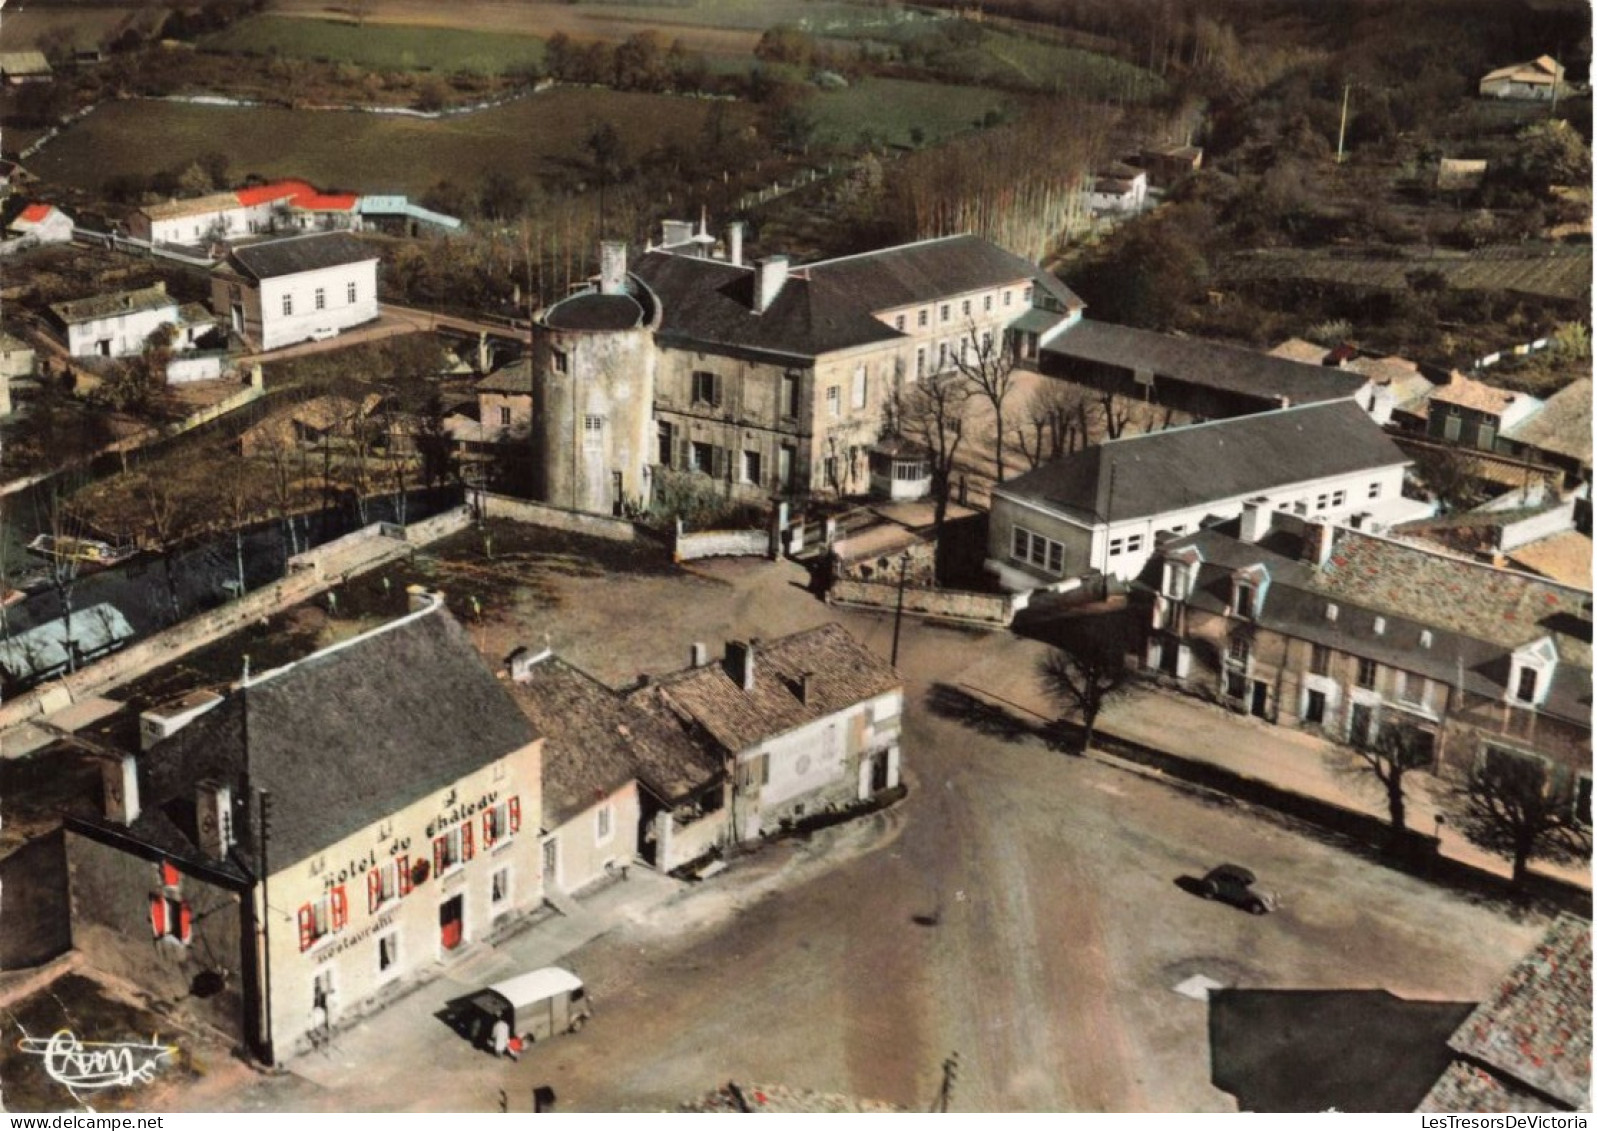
{"x": 992, "y": 610}
{"x": 490, "y": 505}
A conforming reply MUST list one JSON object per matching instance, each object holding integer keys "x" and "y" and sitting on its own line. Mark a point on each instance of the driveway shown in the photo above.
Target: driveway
{"x": 1020, "y": 907}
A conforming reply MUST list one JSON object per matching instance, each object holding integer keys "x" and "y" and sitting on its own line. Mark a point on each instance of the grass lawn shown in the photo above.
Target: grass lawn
{"x": 380, "y": 47}
{"x": 890, "y": 108}
{"x": 367, "y": 152}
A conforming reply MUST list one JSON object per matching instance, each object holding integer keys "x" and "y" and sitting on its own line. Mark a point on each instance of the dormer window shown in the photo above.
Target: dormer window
{"x": 1425, "y": 638}
{"x": 1242, "y": 601}
{"x": 1178, "y": 579}
{"x": 1331, "y": 613}
{"x": 1380, "y": 626}
{"x": 1525, "y": 689}
{"x": 1530, "y": 672}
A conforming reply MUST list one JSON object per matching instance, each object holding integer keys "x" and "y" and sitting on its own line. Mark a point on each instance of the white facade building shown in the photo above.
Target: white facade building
{"x": 297, "y": 289}
{"x": 115, "y": 325}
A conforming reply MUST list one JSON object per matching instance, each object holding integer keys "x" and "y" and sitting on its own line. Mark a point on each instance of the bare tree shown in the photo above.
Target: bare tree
{"x": 1057, "y": 422}
{"x": 63, "y": 527}
{"x": 1395, "y": 751}
{"x": 1512, "y": 806}
{"x": 933, "y": 415}
{"x": 1087, "y": 668}
{"x": 279, "y": 454}
{"x": 1450, "y": 474}
{"x": 165, "y": 520}
{"x": 988, "y": 361}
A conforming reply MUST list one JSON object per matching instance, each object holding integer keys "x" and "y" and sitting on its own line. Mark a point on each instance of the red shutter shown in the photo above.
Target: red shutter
{"x": 307, "y": 927}
{"x": 158, "y": 914}
{"x": 185, "y": 921}
{"x": 465, "y": 841}
{"x": 340, "y": 903}
{"x": 515, "y": 814}
{"x": 403, "y": 864}
{"x": 169, "y": 876}
{"x": 488, "y": 829}
{"x": 374, "y": 888}
{"x": 438, "y": 856}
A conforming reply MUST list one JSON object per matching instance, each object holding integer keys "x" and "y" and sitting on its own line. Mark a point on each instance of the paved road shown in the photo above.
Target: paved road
{"x": 1020, "y": 907}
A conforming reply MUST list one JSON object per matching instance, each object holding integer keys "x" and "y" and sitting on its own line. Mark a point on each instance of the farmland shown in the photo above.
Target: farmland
{"x": 367, "y": 152}
{"x": 888, "y": 109}
{"x": 381, "y": 47}
{"x": 1558, "y": 271}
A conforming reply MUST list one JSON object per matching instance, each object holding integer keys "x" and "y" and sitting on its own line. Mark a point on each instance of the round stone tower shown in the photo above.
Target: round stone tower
{"x": 593, "y": 366}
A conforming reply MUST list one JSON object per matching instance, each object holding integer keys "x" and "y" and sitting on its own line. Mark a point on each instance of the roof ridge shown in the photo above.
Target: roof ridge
{"x": 1232, "y": 420}
{"x": 889, "y": 250}
{"x": 436, "y": 603}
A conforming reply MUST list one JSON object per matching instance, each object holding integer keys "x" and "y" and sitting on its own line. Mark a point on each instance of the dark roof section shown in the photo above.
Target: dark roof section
{"x": 1230, "y": 369}
{"x": 514, "y": 379}
{"x": 348, "y": 735}
{"x": 112, "y": 305}
{"x": 829, "y": 305}
{"x": 593, "y": 311}
{"x": 842, "y": 672}
{"x": 273, "y": 259}
{"x": 595, "y": 741}
{"x": 1137, "y": 476}
{"x": 1535, "y": 1031}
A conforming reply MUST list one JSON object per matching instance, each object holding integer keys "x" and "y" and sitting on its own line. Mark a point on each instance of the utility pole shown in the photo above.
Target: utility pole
{"x": 1341, "y": 133}
{"x": 898, "y": 617}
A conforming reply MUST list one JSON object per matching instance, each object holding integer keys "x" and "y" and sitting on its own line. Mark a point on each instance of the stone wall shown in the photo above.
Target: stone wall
{"x": 559, "y": 518}
{"x": 720, "y": 544}
{"x": 33, "y": 903}
{"x": 991, "y": 609}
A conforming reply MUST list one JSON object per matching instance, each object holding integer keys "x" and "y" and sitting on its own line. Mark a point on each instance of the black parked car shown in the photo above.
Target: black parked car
{"x": 1234, "y": 884}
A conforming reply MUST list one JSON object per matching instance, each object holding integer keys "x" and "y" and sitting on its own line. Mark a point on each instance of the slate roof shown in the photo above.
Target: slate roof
{"x": 1535, "y": 1030}
{"x": 111, "y": 305}
{"x": 1229, "y": 369}
{"x": 346, "y": 736}
{"x": 843, "y": 672}
{"x": 275, "y": 258}
{"x": 829, "y": 305}
{"x": 1564, "y": 424}
{"x": 1465, "y": 1088}
{"x": 595, "y": 741}
{"x": 514, "y": 379}
{"x": 594, "y": 311}
{"x": 1178, "y": 468}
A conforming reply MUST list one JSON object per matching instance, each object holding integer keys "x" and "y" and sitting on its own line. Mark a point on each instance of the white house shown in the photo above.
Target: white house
{"x": 278, "y": 206}
{"x": 1102, "y": 508}
{"x": 1536, "y": 80}
{"x": 44, "y": 222}
{"x": 1119, "y": 188}
{"x": 115, "y": 325}
{"x": 292, "y": 290}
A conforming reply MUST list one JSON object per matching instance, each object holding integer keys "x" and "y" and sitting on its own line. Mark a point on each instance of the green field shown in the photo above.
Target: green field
{"x": 380, "y": 47}
{"x": 366, "y": 152}
{"x": 888, "y": 109}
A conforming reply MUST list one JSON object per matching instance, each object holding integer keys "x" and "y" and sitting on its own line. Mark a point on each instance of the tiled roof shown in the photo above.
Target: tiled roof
{"x": 193, "y": 206}
{"x": 111, "y": 305}
{"x": 1542, "y": 69}
{"x": 275, "y": 258}
{"x": 1536, "y": 1029}
{"x": 514, "y": 379}
{"x": 1209, "y": 364}
{"x": 595, "y": 741}
{"x": 1179, "y": 468}
{"x": 1564, "y": 424}
{"x": 36, "y": 213}
{"x": 348, "y": 735}
{"x": 1465, "y": 1089}
{"x": 842, "y": 672}
{"x": 1563, "y": 557}
{"x": 1296, "y": 349}
{"x": 1503, "y": 606}
{"x": 277, "y": 190}
{"x": 1466, "y": 392}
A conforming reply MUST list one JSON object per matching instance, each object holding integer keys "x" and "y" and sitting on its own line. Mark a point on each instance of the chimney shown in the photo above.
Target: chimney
{"x": 769, "y": 275}
{"x": 740, "y": 663}
{"x": 734, "y": 243}
{"x": 806, "y": 688}
{"x": 701, "y": 655}
{"x": 423, "y": 598}
{"x": 213, "y": 814}
{"x": 612, "y": 267}
{"x": 519, "y": 664}
{"x": 121, "y": 780}
{"x": 159, "y": 723}
{"x": 675, "y": 233}
{"x": 1256, "y": 518}
{"x": 1318, "y": 538}
{"x": 485, "y": 355}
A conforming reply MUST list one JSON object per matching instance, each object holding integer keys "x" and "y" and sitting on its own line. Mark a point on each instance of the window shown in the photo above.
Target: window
{"x": 964, "y": 308}
{"x": 755, "y": 771}
{"x": 1007, "y": 296}
{"x": 785, "y": 463}
{"x": 321, "y": 298}
{"x": 1451, "y": 426}
{"x": 945, "y": 312}
{"x": 860, "y": 379}
{"x": 834, "y": 400}
{"x": 501, "y": 821}
{"x": 350, "y": 292}
{"x": 592, "y": 432}
{"x": 1117, "y": 546}
{"x": 1034, "y": 549}
{"x": 499, "y": 887}
{"x": 942, "y": 356}
{"x": 170, "y": 918}
{"x": 388, "y": 953}
{"x": 986, "y": 343}
{"x": 1238, "y": 649}
{"x": 751, "y": 467}
{"x": 1025, "y": 295}
{"x": 920, "y": 363}
{"x": 829, "y": 471}
{"x": 790, "y": 394}
{"x": 504, "y": 417}
{"x": 898, "y": 322}
{"x": 705, "y": 388}
{"x": 1338, "y": 498}
{"x": 702, "y": 456}
{"x": 322, "y": 917}
{"x": 288, "y": 305}
{"x": 1415, "y": 690}
{"x": 922, "y": 317}
{"x": 453, "y": 848}
{"x": 1375, "y": 491}
{"x": 1525, "y": 689}
{"x": 667, "y": 437}
{"x": 603, "y": 824}
{"x": 1583, "y": 800}
{"x": 1133, "y": 543}
{"x": 1320, "y": 502}
{"x": 1320, "y": 660}
{"x": 561, "y": 363}
{"x": 1177, "y": 581}
{"x": 169, "y": 875}
{"x": 1380, "y": 626}
{"x": 987, "y": 302}
{"x": 1366, "y": 673}
{"x": 1486, "y": 437}
{"x": 1425, "y": 638}
{"x": 1244, "y": 601}
{"x": 387, "y": 882}
{"x": 1314, "y": 709}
